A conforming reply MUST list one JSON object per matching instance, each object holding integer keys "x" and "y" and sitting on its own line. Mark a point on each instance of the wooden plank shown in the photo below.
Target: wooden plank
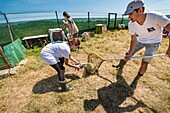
{"x": 34, "y": 37}
{"x": 30, "y": 41}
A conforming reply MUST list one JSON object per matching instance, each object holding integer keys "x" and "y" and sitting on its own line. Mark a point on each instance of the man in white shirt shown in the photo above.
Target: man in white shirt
{"x": 148, "y": 26}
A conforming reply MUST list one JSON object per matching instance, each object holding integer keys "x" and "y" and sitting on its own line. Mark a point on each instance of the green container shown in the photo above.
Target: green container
{"x": 2, "y": 61}
{"x": 15, "y": 52}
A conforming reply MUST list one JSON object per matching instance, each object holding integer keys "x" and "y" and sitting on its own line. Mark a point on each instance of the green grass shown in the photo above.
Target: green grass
{"x": 4, "y": 34}
{"x": 30, "y": 28}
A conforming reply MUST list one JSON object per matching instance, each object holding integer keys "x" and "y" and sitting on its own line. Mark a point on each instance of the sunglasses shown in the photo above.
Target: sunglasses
{"x": 77, "y": 45}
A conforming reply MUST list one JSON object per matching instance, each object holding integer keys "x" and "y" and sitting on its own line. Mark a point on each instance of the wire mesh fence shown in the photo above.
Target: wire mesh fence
{"x": 37, "y": 23}
{"x": 4, "y": 30}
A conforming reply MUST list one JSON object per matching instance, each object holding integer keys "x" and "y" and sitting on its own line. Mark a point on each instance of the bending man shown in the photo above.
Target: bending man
{"x": 148, "y": 26}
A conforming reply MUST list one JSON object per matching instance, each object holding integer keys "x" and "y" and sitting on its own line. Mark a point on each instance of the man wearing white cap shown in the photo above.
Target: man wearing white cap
{"x": 148, "y": 27}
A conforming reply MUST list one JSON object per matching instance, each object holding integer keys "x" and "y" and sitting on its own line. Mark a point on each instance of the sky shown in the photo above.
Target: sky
{"x": 105, "y": 6}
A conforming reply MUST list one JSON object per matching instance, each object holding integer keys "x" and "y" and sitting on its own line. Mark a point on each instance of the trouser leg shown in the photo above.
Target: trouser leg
{"x": 61, "y": 70}
{"x": 62, "y": 81}
{"x": 58, "y": 69}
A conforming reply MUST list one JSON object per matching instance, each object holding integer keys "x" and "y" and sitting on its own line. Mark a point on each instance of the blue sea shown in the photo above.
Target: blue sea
{"x": 30, "y": 16}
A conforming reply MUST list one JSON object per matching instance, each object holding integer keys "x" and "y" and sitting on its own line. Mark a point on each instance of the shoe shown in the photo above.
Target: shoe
{"x": 133, "y": 85}
{"x": 130, "y": 93}
{"x": 65, "y": 90}
{"x": 64, "y": 87}
{"x": 116, "y": 66}
{"x": 120, "y": 65}
{"x": 68, "y": 89}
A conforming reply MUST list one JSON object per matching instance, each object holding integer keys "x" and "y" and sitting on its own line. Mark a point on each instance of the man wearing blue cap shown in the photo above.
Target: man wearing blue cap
{"x": 148, "y": 27}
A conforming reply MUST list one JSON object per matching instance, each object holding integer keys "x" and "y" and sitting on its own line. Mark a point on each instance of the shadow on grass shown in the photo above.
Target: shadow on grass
{"x": 6, "y": 76}
{"x": 51, "y": 84}
{"x": 111, "y": 97}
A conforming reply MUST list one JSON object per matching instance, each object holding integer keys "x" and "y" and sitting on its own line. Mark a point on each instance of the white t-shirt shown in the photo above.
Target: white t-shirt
{"x": 52, "y": 51}
{"x": 151, "y": 30}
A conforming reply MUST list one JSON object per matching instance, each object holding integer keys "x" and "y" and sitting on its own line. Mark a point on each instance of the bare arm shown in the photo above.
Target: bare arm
{"x": 167, "y": 27}
{"x": 71, "y": 65}
{"x": 63, "y": 29}
{"x": 73, "y": 59}
{"x": 132, "y": 46}
{"x": 66, "y": 25}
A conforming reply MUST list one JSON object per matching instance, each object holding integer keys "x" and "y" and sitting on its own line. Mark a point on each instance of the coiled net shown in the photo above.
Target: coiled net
{"x": 94, "y": 62}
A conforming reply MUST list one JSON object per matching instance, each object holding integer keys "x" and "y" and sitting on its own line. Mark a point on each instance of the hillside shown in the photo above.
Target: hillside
{"x": 34, "y": 88}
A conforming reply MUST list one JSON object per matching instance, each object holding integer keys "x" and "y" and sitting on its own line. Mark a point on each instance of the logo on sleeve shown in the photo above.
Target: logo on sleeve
{"x": 151, "y": 29}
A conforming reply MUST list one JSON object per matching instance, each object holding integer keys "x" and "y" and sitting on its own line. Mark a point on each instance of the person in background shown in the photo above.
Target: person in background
{"x": 70, "y": 24}
{"x": 148, "y": 26}
{"x": 57, "y": 53}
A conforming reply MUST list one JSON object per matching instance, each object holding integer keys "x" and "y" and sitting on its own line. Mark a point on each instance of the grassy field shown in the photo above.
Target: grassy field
{"x": 31, "y": 28}
{"x": 34, "y": 88}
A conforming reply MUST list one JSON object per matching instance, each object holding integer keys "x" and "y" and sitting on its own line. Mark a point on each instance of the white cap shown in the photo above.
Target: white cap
{"x": 134, "y": 5}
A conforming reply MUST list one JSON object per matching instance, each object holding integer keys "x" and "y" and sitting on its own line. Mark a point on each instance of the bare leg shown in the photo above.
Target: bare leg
{"x": 142, "y": 70}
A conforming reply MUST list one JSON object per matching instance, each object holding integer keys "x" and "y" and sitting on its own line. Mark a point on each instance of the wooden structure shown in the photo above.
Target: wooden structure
{"x": 31, "y": 41}
{"x": 53, "y": 33}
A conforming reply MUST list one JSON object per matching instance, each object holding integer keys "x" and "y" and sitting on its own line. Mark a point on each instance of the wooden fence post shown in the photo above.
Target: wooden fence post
{"x": 9, "y": 27}
{"x": 5, "y": 57}
{"x": 57, "y": 18}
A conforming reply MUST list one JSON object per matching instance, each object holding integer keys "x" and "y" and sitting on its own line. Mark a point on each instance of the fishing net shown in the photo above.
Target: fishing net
{"x": 93, "y": 63}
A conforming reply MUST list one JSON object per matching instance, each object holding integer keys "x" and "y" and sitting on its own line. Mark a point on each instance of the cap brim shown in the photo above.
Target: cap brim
{"x": 127, "y": 12}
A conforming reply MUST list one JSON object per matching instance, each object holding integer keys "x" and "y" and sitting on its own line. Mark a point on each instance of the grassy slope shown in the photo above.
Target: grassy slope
{"x": 33, "y": 88}
{"x": 30, "y": 28}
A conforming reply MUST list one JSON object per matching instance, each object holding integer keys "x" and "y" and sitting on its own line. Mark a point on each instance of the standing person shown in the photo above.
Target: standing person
{"x": 56, "y": 54}
{"x": 70, "y": 24}
{"x": 148, "y": 26}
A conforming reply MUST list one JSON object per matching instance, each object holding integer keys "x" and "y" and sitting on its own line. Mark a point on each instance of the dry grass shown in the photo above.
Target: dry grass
{"x": 34, "y": 88}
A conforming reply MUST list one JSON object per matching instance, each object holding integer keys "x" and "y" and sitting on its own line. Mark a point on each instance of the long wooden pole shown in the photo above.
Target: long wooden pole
{"x": 57, "y": 18}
